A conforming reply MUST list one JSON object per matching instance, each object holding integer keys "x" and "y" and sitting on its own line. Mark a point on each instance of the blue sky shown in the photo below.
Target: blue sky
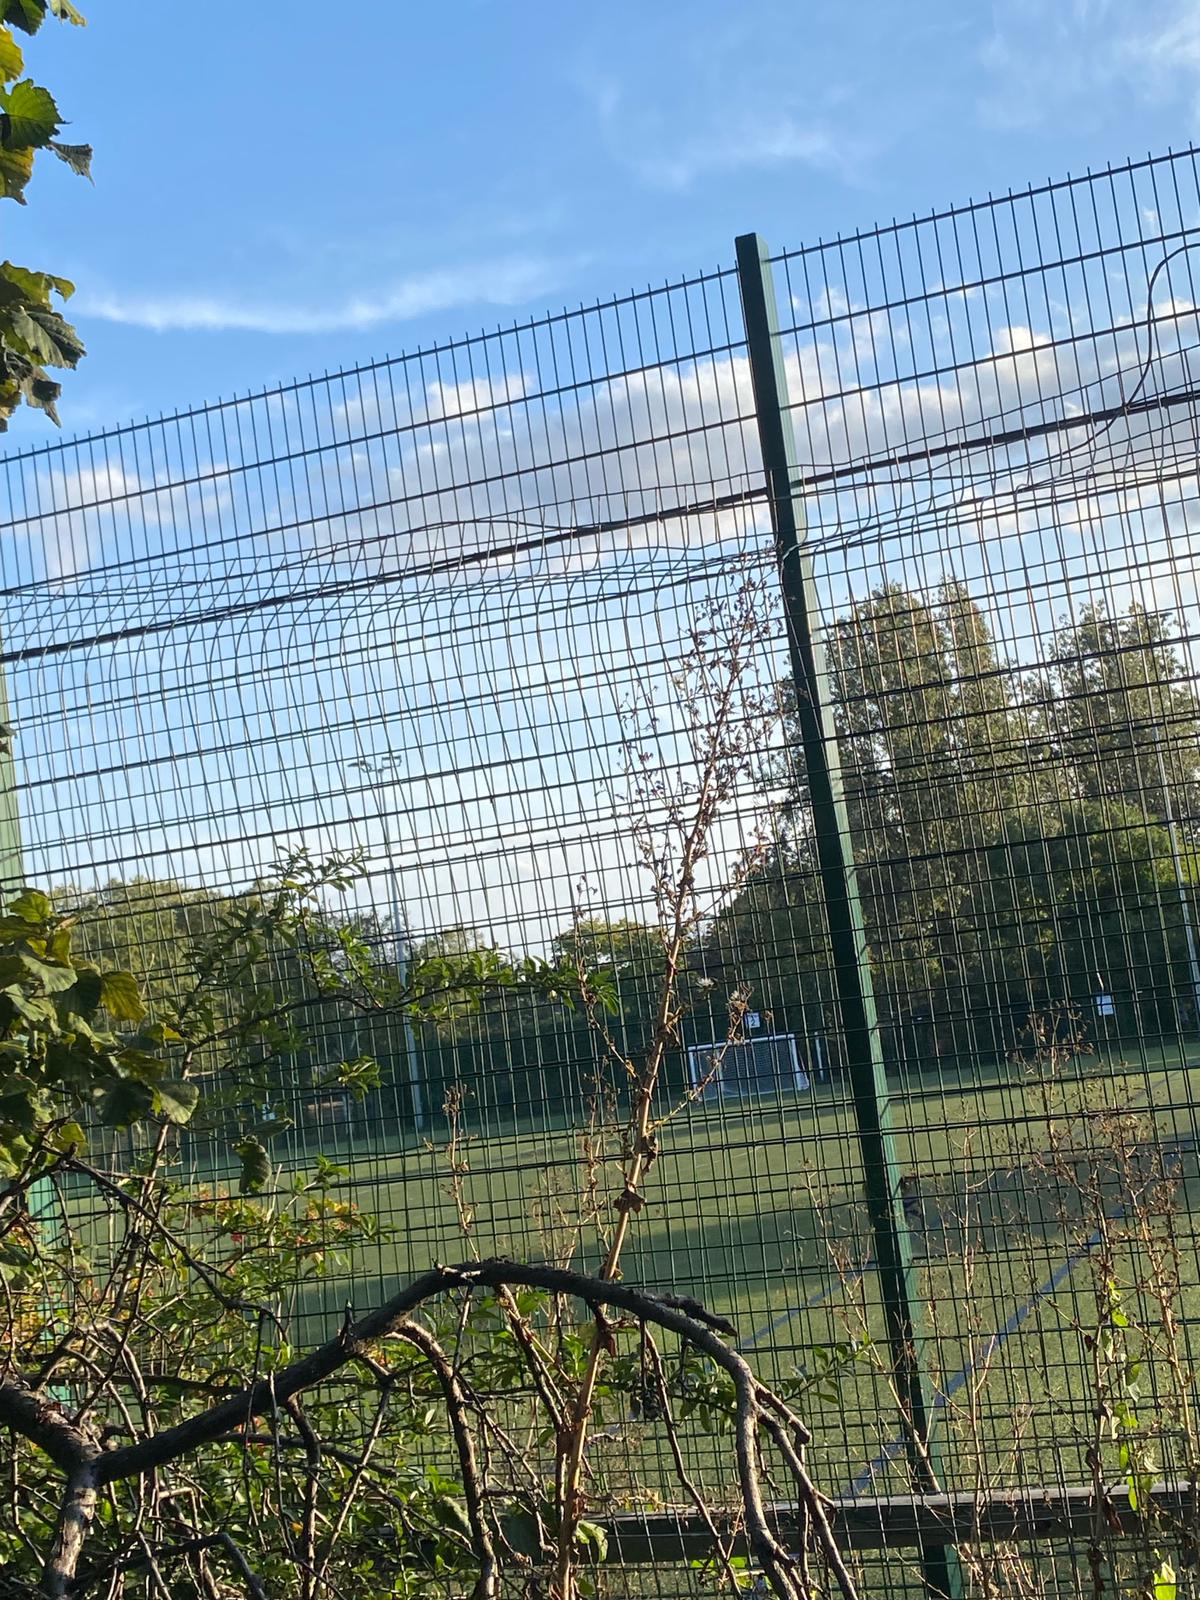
{"x": 307, "y": 186}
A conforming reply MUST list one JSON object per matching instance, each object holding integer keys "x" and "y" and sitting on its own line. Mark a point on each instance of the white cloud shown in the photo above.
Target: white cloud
{"x": 674, "y": 148}
{"x": 1040, "y": 59}
{"x": 506, "y": 282}
{"x": 503, "y": 684}
{"x": 756, "y": 142}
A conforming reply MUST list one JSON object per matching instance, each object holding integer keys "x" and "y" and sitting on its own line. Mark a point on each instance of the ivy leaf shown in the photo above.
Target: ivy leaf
{"x": 29, "y": 118}
{"x": 256, "y": 1165}
{"x": 125, "y": 1102}
{"x": 177, "y": 1100}
{"x": 120, "y": 996}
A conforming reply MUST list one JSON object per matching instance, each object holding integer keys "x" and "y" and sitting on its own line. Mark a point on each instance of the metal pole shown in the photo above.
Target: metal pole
{"x": 839, "y": 889}
{"x": 399, "y": 946}
{"x": 1185, "y": 899}
{"x": 11, "y": 852}
{"x": 400, "y": 936}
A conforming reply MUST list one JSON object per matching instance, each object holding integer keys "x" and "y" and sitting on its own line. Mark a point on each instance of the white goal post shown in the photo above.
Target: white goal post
{"x": 765, "y": 1064}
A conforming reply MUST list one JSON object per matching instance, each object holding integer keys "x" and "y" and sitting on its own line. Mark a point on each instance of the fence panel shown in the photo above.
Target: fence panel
{"x": 462, "y": 613}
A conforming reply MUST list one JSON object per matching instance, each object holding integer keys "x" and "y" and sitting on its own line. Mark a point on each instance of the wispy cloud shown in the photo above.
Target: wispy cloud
{"x": 1041, "y": 63}
{"x": 767, "y": 141}
{"x": 506, "y": 282}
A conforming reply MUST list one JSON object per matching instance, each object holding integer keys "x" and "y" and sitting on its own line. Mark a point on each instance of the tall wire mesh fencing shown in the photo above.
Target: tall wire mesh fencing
{"x": 449, "y": 613}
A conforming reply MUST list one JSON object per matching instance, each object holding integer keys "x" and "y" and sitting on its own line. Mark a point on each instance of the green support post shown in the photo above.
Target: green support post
{"x": 11, "y": 865}
{"x": 839, "y": 889}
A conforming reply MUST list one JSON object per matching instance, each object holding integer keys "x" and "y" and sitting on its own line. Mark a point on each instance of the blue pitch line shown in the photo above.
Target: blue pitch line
{"x": 1051, "y": 1286}
{"x": 807, "y": 1305}
{"x": 943, "y": 1396}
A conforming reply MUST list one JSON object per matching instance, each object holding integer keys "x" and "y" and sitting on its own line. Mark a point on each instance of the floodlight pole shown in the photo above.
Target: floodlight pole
{"x": 839, "y": 889}
{"x": 374, "y": 775}
{"x": 1185, "y": 900}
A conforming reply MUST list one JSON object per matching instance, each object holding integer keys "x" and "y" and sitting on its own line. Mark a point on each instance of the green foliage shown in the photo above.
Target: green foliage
{"x": 34, "y": 335}
{"x": 1008, "y": 829}
{"x": 59, "y": 1060}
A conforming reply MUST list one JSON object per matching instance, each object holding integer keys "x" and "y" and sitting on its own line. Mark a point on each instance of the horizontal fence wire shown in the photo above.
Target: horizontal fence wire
{"x": 445, "y": 612}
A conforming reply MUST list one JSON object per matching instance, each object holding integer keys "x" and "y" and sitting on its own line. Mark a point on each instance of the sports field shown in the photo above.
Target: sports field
{"x": 754, "y": 1208}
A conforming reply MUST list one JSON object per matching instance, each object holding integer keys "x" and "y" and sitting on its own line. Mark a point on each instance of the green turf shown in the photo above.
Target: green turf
{"x": 755, "y": 1208}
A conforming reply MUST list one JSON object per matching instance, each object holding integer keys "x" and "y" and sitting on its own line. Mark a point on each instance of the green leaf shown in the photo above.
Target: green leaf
{"x": 19, "y": 1111}
{"x": 16, "y": 169}
{"x": 256, "y": 1165}
{"x": 66, "y": 12}
{"x": 452, "y": 1513}
{"x": 29, "y": 118}
{"x": 121, "y": 997}
{"x": 46, "y": 335}
{"x": 125, "y": 1102}
{"x": 53, "y": 979}
{"x": 12, "y": 62}
{"x": 28, "y": 15}
{"x": 23, "y": 284}
{"x": 1165, "y": 1584}
{"x": 77, "y": 156}
{"x": 522, "y": 1530}
{"x": 141, "y": 1064}
{"x": 84, "y": 997}
{"x": 359, "y": 1076}
{"x": 593, "y": 1539}
{"x": 34, "y": 1008}
{"x": 177, "y": 1100}
{"x": 271, "y": 1127}
{"x": 31, "y": 905}
{"x": 69, "y": 1138}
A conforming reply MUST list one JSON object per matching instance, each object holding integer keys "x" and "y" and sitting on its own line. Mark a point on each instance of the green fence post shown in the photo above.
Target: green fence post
{"x": 839, "y": 887}
{"x": 11, "y": 865}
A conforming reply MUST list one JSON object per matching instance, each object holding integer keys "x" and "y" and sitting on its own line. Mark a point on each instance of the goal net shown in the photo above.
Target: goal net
{"x": 750, "y": 1069}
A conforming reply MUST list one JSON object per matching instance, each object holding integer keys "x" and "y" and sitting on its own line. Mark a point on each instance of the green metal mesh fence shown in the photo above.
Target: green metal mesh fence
{"x": 440, "y": 610}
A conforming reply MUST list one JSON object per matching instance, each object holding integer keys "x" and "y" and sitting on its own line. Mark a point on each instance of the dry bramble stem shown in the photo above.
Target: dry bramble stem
{"x": 761, "y": 1418}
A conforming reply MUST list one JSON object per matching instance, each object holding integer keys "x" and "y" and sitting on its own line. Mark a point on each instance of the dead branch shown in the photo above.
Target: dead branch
{"x": 760, "y": 1417}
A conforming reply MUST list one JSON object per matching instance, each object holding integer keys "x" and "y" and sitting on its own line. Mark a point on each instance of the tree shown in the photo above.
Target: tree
{"x": 1120, "y": 712}
{"x": 937, "y": 753}
{"x": 628, "y": 955}
{"x": 1083, "y": 900}
{"x": 34, "y": 335}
